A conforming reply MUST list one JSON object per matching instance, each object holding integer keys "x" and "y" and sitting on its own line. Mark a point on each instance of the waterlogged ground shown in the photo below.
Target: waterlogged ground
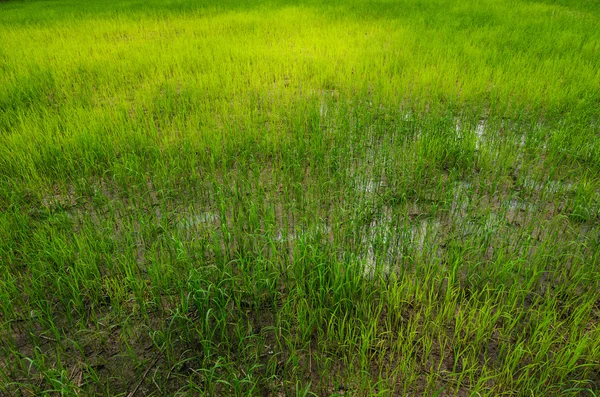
{"x": 383, "y": 198}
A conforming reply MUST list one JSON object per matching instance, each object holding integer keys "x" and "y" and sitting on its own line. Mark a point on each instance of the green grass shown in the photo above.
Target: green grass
{"x": 300, "y": 198}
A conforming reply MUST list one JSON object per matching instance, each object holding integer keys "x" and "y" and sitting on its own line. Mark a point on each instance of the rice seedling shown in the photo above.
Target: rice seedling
{"x": 383, "y": 197}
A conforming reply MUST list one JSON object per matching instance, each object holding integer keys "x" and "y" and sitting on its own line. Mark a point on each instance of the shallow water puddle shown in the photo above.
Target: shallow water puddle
{"x": 479, "y": 132}
{"x": 368, "y": 186}
{"x": 460, "y": 199}
{"x": 385, "y": 242}
{"x": 299, "y": 233}
{"x": 194, "y": 220}
{"x": 548, "y": 186}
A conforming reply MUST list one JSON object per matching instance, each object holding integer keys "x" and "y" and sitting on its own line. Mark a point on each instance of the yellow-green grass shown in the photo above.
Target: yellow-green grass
{"x": 300, "y": 198}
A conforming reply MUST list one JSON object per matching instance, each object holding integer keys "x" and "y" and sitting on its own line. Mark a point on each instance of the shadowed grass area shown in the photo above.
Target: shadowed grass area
{"x": 299, "y": 198}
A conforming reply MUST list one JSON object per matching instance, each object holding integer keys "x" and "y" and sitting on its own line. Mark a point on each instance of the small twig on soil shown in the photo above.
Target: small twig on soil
{"x": 154, "y": 379}
{"x": 76, "y": 376}
{"x": 48, "y": 338}
{"x": 132, "y": 393}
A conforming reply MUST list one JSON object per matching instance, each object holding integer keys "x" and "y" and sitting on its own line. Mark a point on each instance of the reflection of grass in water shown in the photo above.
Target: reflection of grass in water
{"x": 269, "y": 199}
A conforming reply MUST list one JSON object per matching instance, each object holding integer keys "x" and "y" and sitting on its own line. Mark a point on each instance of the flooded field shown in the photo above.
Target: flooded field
{"x": 342, "y": 198}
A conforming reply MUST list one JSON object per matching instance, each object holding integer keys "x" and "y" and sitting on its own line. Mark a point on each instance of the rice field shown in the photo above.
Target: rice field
{"x": 300, "y": 198}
